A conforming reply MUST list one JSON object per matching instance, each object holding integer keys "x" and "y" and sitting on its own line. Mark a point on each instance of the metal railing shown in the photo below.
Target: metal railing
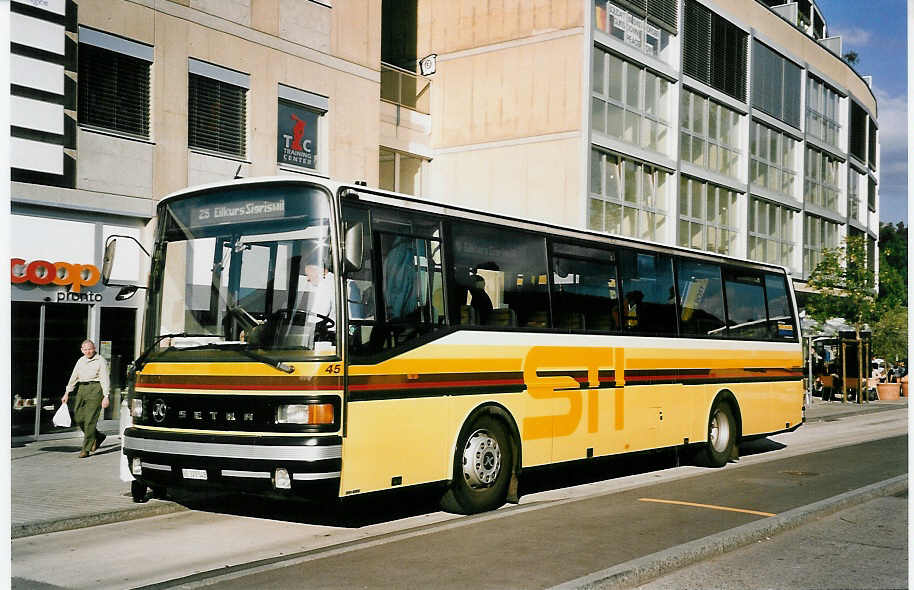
{"x": 405, "y": 88}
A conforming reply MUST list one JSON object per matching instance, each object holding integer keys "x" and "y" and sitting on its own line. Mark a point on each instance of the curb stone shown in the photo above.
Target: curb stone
{"x": 158, "y": 508}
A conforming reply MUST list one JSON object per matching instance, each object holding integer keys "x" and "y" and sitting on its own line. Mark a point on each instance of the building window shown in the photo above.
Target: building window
{"x": 821, "y": 187}
{"x": 818, "y": 235}
{"x": 858, "y": 132}
{"x": 771, "y": 232}
{"x": 298, "y": 128}
{"x": 773, "y": 160}
{"x": 402, "y": 173}
{"x": 871, "y": 195}
{"x": 775, "y": 85}
{"x": 627, "y": 197}
{"x": 217, "y": 109}
{"x": 113, "y": 83}
{"x": 822, "y": 112}
{"x": 855, "y": 181}
{"x": 709, "y": 136}
{"x": 872, "y": 145}
{"x": 707, "y": 216}
{"x": 648, "y": 30}
{"x": 630, "y": 103}
{"x": 714, "y": 50}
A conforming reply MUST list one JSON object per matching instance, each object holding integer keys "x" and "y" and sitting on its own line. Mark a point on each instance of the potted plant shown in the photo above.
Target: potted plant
{"x": 888, "y": 391}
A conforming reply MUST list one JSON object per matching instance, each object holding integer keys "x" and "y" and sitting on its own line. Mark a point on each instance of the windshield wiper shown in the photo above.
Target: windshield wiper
{"x": 242, "y": 347}
{"x": 141, "y": 360}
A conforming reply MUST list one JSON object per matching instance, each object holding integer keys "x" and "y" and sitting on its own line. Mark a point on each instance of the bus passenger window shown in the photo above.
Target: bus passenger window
{"x": 499, "y": 277}
{"x": 746, "y": 317}
{"x": 648, "y": 295}
{"x": 584, "y": 290}
{"x": 781, "y": 324}
{"x": 701, "y": 302}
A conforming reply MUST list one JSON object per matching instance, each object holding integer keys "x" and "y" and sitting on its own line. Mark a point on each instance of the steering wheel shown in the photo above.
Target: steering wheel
{"x": 281, "y": 321}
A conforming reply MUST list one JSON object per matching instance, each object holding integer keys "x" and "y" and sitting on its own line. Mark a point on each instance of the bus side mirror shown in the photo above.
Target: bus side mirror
{"x": 353, "y": 248}
{"x": 108, "y": 261}
{"x": 108, "y": 264}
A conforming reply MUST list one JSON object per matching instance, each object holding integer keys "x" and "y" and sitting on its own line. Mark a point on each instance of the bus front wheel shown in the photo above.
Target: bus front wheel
{"x": 721, "y": 437}
{"x": 482, "y": 468}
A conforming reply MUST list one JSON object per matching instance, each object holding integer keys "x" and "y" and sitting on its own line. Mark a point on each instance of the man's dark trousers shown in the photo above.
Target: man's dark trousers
{"x": 87, "y": 410}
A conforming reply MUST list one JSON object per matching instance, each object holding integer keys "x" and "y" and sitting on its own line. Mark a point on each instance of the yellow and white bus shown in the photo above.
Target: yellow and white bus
{"x": 304, "y": 336}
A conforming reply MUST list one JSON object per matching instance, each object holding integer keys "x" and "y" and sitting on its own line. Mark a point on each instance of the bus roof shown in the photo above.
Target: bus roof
{"x": 385, "y": 197}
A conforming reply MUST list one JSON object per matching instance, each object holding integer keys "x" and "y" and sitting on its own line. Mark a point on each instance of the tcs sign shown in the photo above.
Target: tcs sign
{"x": 64, "y": 274}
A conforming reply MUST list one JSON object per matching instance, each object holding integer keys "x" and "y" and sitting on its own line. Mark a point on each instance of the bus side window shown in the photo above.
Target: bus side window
{"x": 648, "y": 294}
{"x": 499, "y": 277}
{"x": 359, "y": 296}
{"x": 746, "y": 317}
{"x": 781, "y": 324}
{"x": 701, "y": 302}
{"x": 584, "y": 290}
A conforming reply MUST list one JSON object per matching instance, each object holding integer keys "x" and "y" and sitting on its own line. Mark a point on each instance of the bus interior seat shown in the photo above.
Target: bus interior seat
{"x": 503, "y": 316}
{"x": 538, "y": 319}
{"x": 573, "y": 321}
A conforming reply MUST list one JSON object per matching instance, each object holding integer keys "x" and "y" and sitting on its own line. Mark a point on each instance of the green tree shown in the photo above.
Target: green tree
{"x": 893, "y": 265}
{"x": 845, "y": 286}
{"x": 890, "y": 334}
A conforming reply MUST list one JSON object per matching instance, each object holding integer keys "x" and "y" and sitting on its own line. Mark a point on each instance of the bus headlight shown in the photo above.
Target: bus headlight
{"x": 304, "y": 414}
{"x": 136, "y": 407}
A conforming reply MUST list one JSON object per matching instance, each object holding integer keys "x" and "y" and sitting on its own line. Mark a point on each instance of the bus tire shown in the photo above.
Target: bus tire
{"x": 721, "y": 437}
{"x": 483, "y": 463}
{"x": 138, "y": 491}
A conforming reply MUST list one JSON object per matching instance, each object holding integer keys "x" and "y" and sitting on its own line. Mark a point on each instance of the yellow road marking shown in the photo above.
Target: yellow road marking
{"x": 711, "y": 506}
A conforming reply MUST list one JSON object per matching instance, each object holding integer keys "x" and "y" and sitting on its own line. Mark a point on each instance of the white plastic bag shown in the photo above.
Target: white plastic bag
{"x": 62, "y": 416}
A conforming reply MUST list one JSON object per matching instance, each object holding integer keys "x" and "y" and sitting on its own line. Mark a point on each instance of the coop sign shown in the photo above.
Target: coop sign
{"x": 62, "y": 274}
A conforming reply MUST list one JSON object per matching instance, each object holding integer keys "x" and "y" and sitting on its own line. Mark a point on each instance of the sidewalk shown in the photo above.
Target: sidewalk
{"x": 53, "y": 490}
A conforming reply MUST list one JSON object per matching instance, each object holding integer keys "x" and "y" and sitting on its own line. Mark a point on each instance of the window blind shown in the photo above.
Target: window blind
{"x": 872, "y": 145}
{"x": 216, "y": 115}
{"x": 858, "y": 132}
{"x": 775, "y": 85}
{"x": 113, "y": 90}
{"x": 714, "y": 50}
{"x": 664, "y": 11}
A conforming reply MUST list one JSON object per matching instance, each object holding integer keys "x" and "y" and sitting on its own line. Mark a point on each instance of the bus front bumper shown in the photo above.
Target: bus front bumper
{"x": 245, "y": 463}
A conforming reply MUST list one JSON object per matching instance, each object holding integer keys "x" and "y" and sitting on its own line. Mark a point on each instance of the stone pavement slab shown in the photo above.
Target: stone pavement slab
{"x": 53, "y": 489}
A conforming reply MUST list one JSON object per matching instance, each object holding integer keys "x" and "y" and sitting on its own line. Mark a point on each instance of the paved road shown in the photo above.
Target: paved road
{"x": 862, "y": 547}
{"x": 556, "y": 534}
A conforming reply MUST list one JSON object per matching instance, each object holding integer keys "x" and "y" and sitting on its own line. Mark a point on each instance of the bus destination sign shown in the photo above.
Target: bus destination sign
{"x": 237, "y": 211}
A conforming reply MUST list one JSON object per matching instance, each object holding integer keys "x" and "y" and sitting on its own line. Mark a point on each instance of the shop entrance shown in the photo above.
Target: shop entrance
{"x": 45, "y": 346}
{"x": 116, "y": 343}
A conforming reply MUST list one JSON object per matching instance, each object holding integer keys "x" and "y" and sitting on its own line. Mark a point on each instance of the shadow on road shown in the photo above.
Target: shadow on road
{"x": 386, "y": 506}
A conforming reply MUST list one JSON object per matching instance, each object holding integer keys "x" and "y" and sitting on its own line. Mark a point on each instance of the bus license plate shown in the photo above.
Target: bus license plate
{"x": 193, "y": 473}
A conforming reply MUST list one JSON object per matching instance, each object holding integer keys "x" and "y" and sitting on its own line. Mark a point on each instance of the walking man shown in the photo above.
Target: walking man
{"x": 90, "y": 376}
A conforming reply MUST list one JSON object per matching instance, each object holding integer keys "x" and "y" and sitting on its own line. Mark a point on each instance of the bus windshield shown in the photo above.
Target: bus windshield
{"x": 249, "y": 267}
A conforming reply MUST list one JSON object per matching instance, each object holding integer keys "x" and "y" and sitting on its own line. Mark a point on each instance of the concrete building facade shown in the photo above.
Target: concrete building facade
{"x": 725, "y": 125}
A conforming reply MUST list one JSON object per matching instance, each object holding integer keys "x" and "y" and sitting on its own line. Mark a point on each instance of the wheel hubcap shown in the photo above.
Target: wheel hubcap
{"x": 720, "y": 431}
{"x": 481, "y": 460}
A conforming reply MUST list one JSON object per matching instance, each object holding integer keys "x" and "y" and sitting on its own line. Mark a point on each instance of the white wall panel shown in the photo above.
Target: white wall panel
{"x": 54, "y": 240}
{"x": 35, "y": 155}
{"x": 37, "y": 74}
{"x": 37, "y": 33}
{"x": 36, "y": 114}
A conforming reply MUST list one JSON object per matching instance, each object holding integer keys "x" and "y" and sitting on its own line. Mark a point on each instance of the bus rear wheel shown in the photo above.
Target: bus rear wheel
{"x": 483, "y": 462}
{"x": 721, "y": 437}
